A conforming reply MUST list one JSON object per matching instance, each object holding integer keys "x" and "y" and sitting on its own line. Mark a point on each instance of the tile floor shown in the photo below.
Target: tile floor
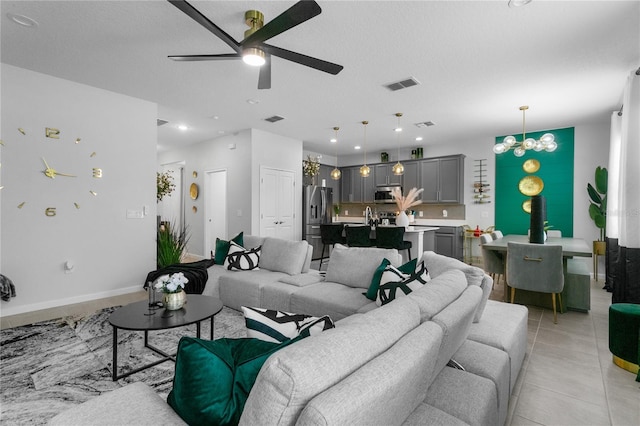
{"x": 567, "y": 377}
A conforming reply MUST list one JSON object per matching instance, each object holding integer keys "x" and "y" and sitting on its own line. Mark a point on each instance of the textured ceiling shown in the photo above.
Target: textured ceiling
{"x": 477, "y": 62}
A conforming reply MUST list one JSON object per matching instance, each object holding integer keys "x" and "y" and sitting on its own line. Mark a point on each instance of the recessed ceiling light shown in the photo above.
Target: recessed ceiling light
{"x": 356, "y": 147}
{"x": 25, "y": 21}
{"x": 419, "y": 138}
{"x": 397, "y": 129}
{"x": 253, "y": 101}
{"x": 333, "y": 140}
{"x": 182, "y": 127}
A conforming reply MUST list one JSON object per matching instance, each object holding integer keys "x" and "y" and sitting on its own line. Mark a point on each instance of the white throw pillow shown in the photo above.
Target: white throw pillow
{"x": 278, "y": 326}
{"x": 241, "y": 259}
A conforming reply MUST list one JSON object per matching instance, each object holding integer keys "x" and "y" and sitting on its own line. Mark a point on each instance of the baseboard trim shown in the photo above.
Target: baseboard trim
{"x": 10, "y": 310}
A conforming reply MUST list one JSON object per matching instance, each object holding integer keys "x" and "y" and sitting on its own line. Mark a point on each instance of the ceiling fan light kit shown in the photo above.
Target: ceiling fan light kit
{"x": 545, "y": 143}
{"x": 253, "y": 50}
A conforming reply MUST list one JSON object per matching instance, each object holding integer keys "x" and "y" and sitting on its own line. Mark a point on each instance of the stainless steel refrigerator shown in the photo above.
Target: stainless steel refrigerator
{"x": 316, "y": 210}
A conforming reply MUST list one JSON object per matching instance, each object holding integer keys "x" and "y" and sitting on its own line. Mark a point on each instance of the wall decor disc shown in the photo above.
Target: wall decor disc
{"x": 531, "y": 165}
{"x": 530, "y": 186}
{"x": 195, "y": 209}
{"x": 526, "y": 206}
{"x": 193, "y": 191}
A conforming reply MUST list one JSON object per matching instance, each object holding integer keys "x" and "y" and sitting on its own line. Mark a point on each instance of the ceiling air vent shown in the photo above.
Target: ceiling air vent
{"x": 161, "y": 122}
{"x": 274, "y": 118}
{"x": 402, "y": 84}
{"x": 425, "y": 124}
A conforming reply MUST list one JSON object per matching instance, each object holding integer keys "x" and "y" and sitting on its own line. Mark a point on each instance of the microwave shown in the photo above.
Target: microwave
{"x": 383, "y": 194}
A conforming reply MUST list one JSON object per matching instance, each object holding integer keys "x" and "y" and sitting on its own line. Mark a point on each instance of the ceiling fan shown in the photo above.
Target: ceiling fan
{"x": 253, "y": 48}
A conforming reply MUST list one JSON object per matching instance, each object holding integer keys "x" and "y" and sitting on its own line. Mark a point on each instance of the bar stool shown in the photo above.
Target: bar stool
{"x": 358, "y": 236}
{"x": 392, "y": 237}
{"x": 330, "y": 235}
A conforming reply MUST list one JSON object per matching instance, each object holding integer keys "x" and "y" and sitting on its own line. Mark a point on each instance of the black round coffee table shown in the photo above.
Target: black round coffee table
{"x": 136, "y": 317}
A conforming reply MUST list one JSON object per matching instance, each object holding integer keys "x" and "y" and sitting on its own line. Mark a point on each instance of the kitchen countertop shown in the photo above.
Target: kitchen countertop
{"x": 413, "y": 228}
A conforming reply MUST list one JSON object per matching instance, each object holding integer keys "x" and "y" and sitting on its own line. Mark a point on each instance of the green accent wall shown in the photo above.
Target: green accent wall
{"x": 556, "y": 172}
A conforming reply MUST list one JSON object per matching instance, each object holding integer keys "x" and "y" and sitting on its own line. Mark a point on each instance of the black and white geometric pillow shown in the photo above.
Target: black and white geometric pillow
{"x": 394, "y": 284}
{"x": 241, "y": 259}
{"x": 278, "y": 326}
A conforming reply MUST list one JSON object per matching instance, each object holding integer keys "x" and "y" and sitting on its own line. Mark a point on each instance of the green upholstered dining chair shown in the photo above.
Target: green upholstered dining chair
{"x": 492, "y": 261}
{"x": 536, "y": 267}
{"x": 331, "y": 234}
{"x": 392, "y": 237}
{"x": 358, "y": 236}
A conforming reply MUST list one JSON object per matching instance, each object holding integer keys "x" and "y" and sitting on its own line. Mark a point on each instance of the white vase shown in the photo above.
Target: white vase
{"x": 402, "y": 219}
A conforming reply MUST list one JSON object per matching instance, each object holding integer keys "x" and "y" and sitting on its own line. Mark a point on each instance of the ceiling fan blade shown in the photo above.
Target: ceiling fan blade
{"x": 194, "y": 14}
{"x": 319, "y": 64}
{"x": 264, "y": 79}
{"x": 223, "y": 56}
{"x": 295, "y": 15}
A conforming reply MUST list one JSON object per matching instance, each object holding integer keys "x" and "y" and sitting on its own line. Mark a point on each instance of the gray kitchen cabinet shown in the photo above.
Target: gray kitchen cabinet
{"x": 355, "y": 188}
{"x": 449, "y": 241}
{"x": 325, "y": 173}
{"x": 346, "y": 191}
{"x": 411, "y": 177}
{"x": 442, "y": 179}
{"x": 384, "y": 175}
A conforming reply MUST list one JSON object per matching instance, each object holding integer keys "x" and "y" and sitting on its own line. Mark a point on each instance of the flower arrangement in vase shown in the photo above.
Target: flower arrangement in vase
{"x": 173, "y": 288}
{"x": 404, "y": 203}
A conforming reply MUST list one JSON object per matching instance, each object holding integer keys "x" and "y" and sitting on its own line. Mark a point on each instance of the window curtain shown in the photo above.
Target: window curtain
{"x": 623, "y": 204}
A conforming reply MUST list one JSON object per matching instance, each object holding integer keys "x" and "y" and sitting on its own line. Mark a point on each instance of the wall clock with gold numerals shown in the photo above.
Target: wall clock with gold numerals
{"x": 70, "y": 185}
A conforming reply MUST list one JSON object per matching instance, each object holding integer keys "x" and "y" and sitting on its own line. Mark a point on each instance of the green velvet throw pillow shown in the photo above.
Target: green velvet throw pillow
{"x": 407, "y": 268}
{"x": 222, "y": 248}
{"x": 213, "y": 378}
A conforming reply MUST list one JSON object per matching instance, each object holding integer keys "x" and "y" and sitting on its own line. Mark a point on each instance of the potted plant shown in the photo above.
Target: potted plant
{"x": 336, "y": 210}
{"x": 171, "y": 244}
{"x": 598, "y": 207}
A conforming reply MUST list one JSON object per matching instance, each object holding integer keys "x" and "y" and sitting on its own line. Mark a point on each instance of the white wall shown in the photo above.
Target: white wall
{"x": 111, "y": 254}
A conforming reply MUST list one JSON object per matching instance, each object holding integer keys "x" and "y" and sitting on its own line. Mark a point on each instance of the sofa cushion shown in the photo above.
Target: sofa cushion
{"x": 214, "y": 377}
{"x": 426, "y": 414}
{"x": 470, "y": 398}
{"x": 491, "y": 363}
{"x": 384, "y": 391}
{"x": 395, "y": 284}
{"x": 355, "y": 266}
{"x": 283, "y": 255}
{"x": 286, "y": 383}
{"x": 328, "y": 298}
{"x": 222, "y": 248}
{"x": 504, "y": 326}
{"x": 439, "y": 293}
{"x": 241, "y": 259}
{"x": 134, "y": 404}
{"x": 437, "y": 264}
{"x": 251, "y": 241}
{"x": 385, "y": 266}
{"x": 244, "y": 288}
{"x": 302, "y": 280}
{"x": 455, "y": 321}
{"x": 278, "y": 326}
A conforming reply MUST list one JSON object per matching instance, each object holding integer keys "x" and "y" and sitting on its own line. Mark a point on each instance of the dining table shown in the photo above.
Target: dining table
{"x": 571, "y": 248}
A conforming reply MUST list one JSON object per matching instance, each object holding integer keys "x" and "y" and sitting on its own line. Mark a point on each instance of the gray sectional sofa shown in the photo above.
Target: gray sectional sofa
{"x": 379, "y": 365}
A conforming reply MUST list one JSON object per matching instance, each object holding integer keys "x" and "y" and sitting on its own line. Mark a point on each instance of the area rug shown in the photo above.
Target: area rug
{"x": 47, "y": 367}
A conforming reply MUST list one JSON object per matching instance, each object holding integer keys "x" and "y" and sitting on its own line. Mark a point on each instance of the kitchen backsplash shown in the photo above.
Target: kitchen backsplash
{"x": 429, "y": 211}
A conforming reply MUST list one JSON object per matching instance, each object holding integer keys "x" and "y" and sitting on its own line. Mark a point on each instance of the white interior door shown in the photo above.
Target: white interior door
{"x": 215, "y": 209}
{"x": 277, "y": 198}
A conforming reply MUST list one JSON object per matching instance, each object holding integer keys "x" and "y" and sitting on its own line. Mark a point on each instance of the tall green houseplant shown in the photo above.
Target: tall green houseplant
{"x": 171, "y": 244}
{"x": 598, "y": 204}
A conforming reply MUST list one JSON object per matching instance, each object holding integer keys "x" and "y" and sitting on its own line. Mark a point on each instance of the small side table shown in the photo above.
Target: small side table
{"x": 132, "y": 317}
{"x": 599, "y": 249}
